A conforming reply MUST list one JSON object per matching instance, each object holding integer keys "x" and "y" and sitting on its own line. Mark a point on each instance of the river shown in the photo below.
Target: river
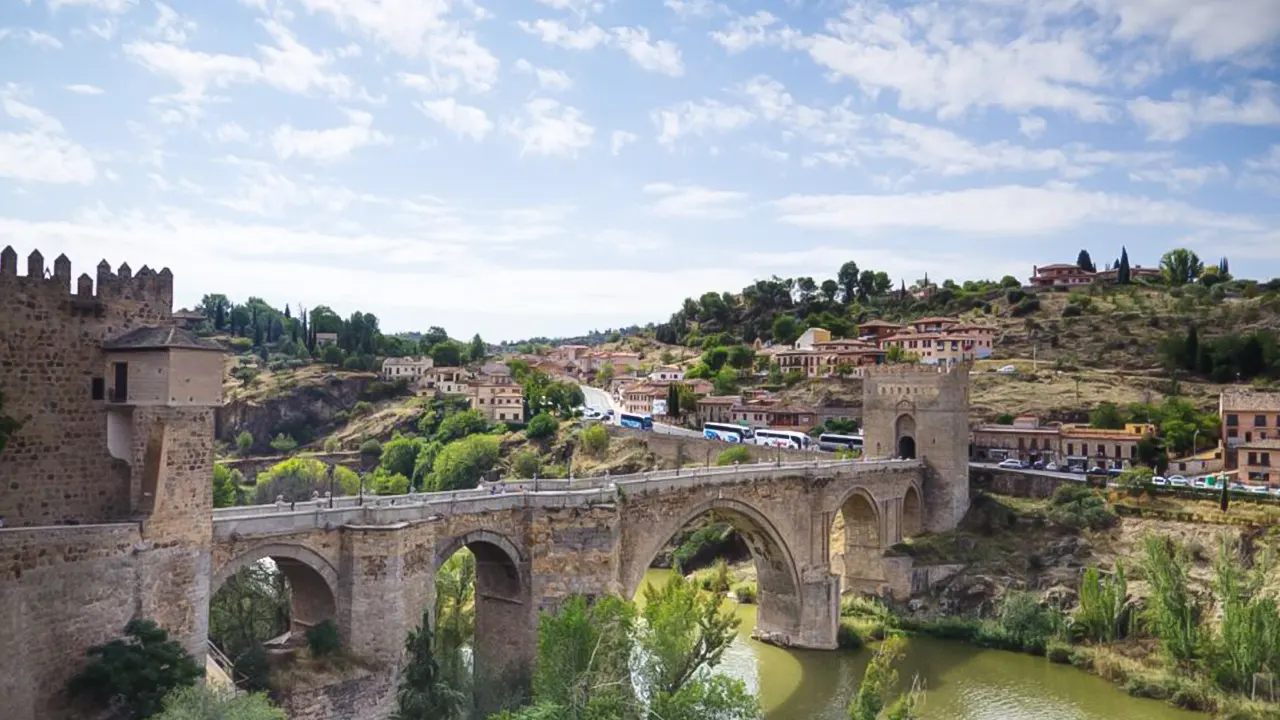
{"x": 961, "y": 682}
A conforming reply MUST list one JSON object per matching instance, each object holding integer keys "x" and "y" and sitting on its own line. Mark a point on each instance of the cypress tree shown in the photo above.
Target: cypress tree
{"x": 424, "y": 694}
{"x": 1122, "y": 273}
{"x": 1191, "y": 350}
{"x": 673, "y": 400}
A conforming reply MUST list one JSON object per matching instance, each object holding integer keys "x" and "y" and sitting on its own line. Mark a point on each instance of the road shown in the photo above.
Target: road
{"x": 601, "y": 400}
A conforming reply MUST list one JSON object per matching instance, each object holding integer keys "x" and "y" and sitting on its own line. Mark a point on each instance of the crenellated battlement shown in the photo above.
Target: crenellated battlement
{"x": 918, "y": 369}
{"x": 105, "y": 286}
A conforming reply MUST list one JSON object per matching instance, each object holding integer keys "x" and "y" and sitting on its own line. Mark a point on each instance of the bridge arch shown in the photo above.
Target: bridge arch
{"x": 504, "y": 638}
{"x": 777, "y": 573}
{"x": 310, "y": 581}
{"x": 857, "y": 536}
{"x": 904, "y": 433}
{"x": 912, "y": 512}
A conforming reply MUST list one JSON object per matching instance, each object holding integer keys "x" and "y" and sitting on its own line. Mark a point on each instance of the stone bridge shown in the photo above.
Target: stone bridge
{"x": 371, "y": 567}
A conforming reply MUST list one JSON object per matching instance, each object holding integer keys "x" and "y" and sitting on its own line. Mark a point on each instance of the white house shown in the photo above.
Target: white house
{"x": 666, "y": 373}
{"x": 412, "y": 368}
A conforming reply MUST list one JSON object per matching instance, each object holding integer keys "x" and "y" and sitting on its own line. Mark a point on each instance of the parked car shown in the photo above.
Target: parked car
{"x": 1257, "y": 490}
{"x": 1077, "y": 469}
{"x": 1010, "y": 464}
{"x": 1007, "y": 370}
{"x": 1095, "y": 470}
{"x": 1051, "y": 466}
{"x": 1178, "y": 481}
{"x": 1157, "y": 480}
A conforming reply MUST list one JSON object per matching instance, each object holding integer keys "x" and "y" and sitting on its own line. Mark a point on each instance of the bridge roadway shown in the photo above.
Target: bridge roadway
{"x": 331, "y": 513}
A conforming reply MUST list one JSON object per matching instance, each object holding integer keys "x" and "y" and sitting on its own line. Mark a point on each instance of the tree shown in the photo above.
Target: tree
{"x": 595, "y": 440}
{"x": 224, "y": 486}
{"x": 455, "y": 616}
{"x": 1122, "y": 268}
{"x": 423, "y": 693}
{"x": 831, "y": 290}
{"x": 250, "y": 608}
{"x": 400, "y": 455}
{"x": 541, "y": 426}
{"x": 432, "y": 337}
{"x": 477, "y": 349}
{"x": 447, "y": 354}
{"x": 785, "y": 330}
{"x": 673, "y": 400}
{"x": 204, "y": 703}
{"x": 847, "y": 278}
{"x": 1180, "y": 266}
{"x": 1085, "y": 262}
{"x": 741, "y": 357}
{"x": 283, "y": 443}
{"x": 244, "y": 442}
{"x": 1106, "y": 416}
{"x": 878, "y": 682}
{"x": 462, "y": 463}
{"x": 8, "y": 425}
{"x": 461, "y": 424}
{"x": 135, "y": 673}
{"x": 215, "y": 307}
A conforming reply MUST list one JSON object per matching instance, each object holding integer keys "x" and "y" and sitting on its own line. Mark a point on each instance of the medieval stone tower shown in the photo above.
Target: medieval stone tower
{"x": 105, "y": 487}
{"x": 922, "y": 411}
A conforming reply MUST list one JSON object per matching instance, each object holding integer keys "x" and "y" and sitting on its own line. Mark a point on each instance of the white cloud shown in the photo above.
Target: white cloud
{"x": 331, "y": 144}
{"x": 1175, "y": 119}
{"x": 749, "y": 31}
{"x": 688, "y": 9}
{"x": 661, "y": 57}
{"x": 620, "y": 139}
{"x": 34, "y": 38}
{"x": 421, "y": 30}
{"x": 550, "y": 128}
{"x": 1181, "y": 179}
{"x": 1210, "y": 30}
{"x": 1032, "y": 126}
{"x": 170, "y": 26}
{"x": 461, "y": 119}
{"x": 554, "y": 32}
{"x": 42, "y": 152}
{"x": 943, "y": 152}
{"x": 548, "y": 78}
{"x": 693, "y": 201}
{"x": 109, "y": 6}
{"x": 1263, "y": 171}
{"x": 230, "y": 132}
{"x": 578, "y": 7}
{"x": 80, "y": 89}
{"x": 939, "y": 62}
{"x": 1007, "y": 210}
{"x": 768, "y": 153}
{"x": 699, "y": 118}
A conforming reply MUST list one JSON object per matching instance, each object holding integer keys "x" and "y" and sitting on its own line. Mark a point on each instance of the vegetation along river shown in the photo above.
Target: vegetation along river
{"x": 961, "y": 682}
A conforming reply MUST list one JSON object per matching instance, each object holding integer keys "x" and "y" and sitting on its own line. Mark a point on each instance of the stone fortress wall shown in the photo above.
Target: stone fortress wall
{"x": 92, "y": 538}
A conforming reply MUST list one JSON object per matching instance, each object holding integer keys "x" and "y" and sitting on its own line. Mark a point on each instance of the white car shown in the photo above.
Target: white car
{"x": 1011, "y": 464}
{"x": 1008, "y": 370}
{"x": 1052, "y": 467}
{"x": 1178, "y": 481}
{"x": 1157, "y": 480}
{"x": 1258, "y": 490}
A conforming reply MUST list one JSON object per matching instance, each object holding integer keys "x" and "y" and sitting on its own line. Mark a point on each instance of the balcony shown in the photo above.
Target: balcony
{"x": 118, "y": 396}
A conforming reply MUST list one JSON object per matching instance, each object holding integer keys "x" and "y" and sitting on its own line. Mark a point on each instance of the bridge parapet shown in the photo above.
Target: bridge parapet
{"x": 418, "y": 507}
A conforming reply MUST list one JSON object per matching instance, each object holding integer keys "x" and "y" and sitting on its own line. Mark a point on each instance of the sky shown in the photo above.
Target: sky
{"x": 547, "y": 167}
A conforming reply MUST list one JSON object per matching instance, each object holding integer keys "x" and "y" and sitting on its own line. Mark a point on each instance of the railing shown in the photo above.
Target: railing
{"x": 379, "y": 510}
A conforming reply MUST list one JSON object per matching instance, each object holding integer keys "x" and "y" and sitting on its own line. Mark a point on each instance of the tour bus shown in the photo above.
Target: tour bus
{"x": 637, "y": 422}
{"x": 782, "y": 439}
{"x": 832, "y": 442}
{"x": 727, "y": 432}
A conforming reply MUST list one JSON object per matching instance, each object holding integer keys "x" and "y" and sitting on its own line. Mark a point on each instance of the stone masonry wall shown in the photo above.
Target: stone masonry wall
{"x": 62, "y": 590}
{"x": 1017, "y": 484}
{"x": 699, "y": 451}
{"x": 366, "y": 697}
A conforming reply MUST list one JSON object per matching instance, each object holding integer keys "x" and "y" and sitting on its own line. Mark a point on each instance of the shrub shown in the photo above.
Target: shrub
{"x": 205, "y": 703}
{"x": 363, "y": 407}
{"x": 135, "y": 673}
{"x": 284, "y": 444}
{"x": 1072, "y": 311}
{"x": 525, "y": 464}
{"x": 746, "y": 592}
{"x": 240, "y": 344}
{"x": 1026, "y": 622}
{"x": 848, "y": 637}
{"x": 388, "y": 483}
{"x": 400, "y": 455}
{"x": 1058, "y": 652}
{"x": 542, "y": 426}
{"x": 323, "y": 639}
{"x": 735, "y": 454}
{"x": 462, "y": 463}
{"x": 460, "y": 425}
{"x": 252, "y": 669}
{"x": 1079, "y": 507}
{"x": 371, "y": 447}
{"x": 244, "y": 442}
{"x": 1102, "y": 604}
{"x": 595, "y": 440}
{"x": 332, "y": 445}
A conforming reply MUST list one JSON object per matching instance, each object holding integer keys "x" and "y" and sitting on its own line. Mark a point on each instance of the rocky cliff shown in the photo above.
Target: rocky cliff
{"x": 304, "y": 406}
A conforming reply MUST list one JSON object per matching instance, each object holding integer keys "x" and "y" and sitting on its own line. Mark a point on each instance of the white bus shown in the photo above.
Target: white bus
{"x": 783, "y": 439}
{"x": 833, "y": 441}
{"x": 727, "y": 432}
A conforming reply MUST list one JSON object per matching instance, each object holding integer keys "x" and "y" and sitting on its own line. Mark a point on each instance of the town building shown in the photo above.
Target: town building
{"x": 1026, "y": 440}
{"x": 811, "y": 337}
{"x": 497, "y": 395}
{"x": 1060, "y": 275}
{"x": 446, "y": 381}
{"x": 877, "y": 330}
{"x": 1259, "y": 462}
{"x": 411, "y": 368}
{"x": 570, "y": 353}
{"x": 1203, "y": 463}
{"x": 831, "y": 357}
{"x": 1137, "y": 272}
{"x": 666, "y": 373}
{"x": 326, "y": 338}
{"x": 1106, "y": 449}
{"x": 717, "y": 408}
{"x": 621, "y": 363}
{"x": 941, "y": 348}
{"x": 1247, "y": 416}
{"x": 640, "y": 398}
{"x": 773, "y": 412}
{"x": 188, "y": 319}
{"x": 934, "y": 324}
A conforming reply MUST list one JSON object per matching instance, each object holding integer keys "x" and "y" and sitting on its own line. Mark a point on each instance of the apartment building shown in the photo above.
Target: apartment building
{"x": 811, "y": 337}
{"x": 1026, "y": 439}
{"x": 1247, "y": 416}
{"x": 497, "y": 395}
{"x": 825, "y": 358}
{"x": 446, "y": 381}
{"x": 717, "y": 408}
{"x": 1060, "y": 275}
{"x": 411, "y": 368}
{"x": 1259, "y": 462}
{"x": 1106, "y": 449}
{"x": 877, "y": 330}
{"x": 941, "y": 347}
{"x": 640, "y": 398}
{"x": 666, "y": 373}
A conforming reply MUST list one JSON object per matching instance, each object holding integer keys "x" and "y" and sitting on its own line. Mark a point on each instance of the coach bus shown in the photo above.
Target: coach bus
{"x": 636, "y": 422}
{"x": 783, "y": 439}
{"x": 727, "y": 432}
{"x": 832, "y": 442}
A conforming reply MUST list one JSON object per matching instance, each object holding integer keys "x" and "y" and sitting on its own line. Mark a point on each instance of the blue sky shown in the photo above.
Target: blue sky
{"x": 552, "y": 166}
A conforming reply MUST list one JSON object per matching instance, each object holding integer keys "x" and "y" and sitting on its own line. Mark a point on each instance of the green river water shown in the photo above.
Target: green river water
{"x": 961, "y": 682}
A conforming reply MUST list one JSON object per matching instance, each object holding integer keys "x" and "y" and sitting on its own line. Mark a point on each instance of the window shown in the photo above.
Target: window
{"x": 1253, "y": 459}
{"x": 1259, "y": 420}
{"x": 1232, "y": 432}
{"x": 1133, "y": 452}
{"x": 1233, "y": 420}
{"x": 99, "y": 390}
{"x": 1117, "y": 451}
{"x": 1266, "y": 460}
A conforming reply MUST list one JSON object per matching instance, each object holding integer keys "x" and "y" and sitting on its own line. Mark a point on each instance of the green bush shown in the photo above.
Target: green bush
{"x": 1027, "y": 623}
{"x": 388, "y": 483}
{"x": 525, "y": 464}
{"x": 1079, "y": 507}
{"x": 244, "y": 442}
{"x": 1058, "y": 652}
{"x": 135, "y": 673}
{"x": 363, "y": 407}
{"x": 323, "y": 639}
{"x": 284, "y": 444}
{"x": 371, "y": 447}
{"x": 462, "y": 463}
{"x": 542, "y": 426}
{"x": 848, "y": 637}
{"x": 734, "y": 455}
{"x": 746, "y": 592}
{"x": 595, "y": 440}
{"x": 205, "y": 703}
{"x": 241, "y": 344}
{"x": 252, "y": 669}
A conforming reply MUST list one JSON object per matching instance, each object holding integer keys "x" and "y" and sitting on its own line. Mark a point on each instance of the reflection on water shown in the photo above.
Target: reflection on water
{"x": 962, "y": 683}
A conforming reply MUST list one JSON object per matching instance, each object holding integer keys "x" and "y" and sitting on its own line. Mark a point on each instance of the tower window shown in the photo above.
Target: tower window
{"x": 99, "y": 390}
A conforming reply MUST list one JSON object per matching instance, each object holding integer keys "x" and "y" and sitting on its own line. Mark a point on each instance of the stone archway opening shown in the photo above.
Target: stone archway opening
{"x": 912, "y": 523}
{"x": 268, "y": 598}
{"x": 779, "y": 615}
{"x": 904, "y": 429}
{"x": 857, "y": 545}
{"x": 483, "y": 619}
